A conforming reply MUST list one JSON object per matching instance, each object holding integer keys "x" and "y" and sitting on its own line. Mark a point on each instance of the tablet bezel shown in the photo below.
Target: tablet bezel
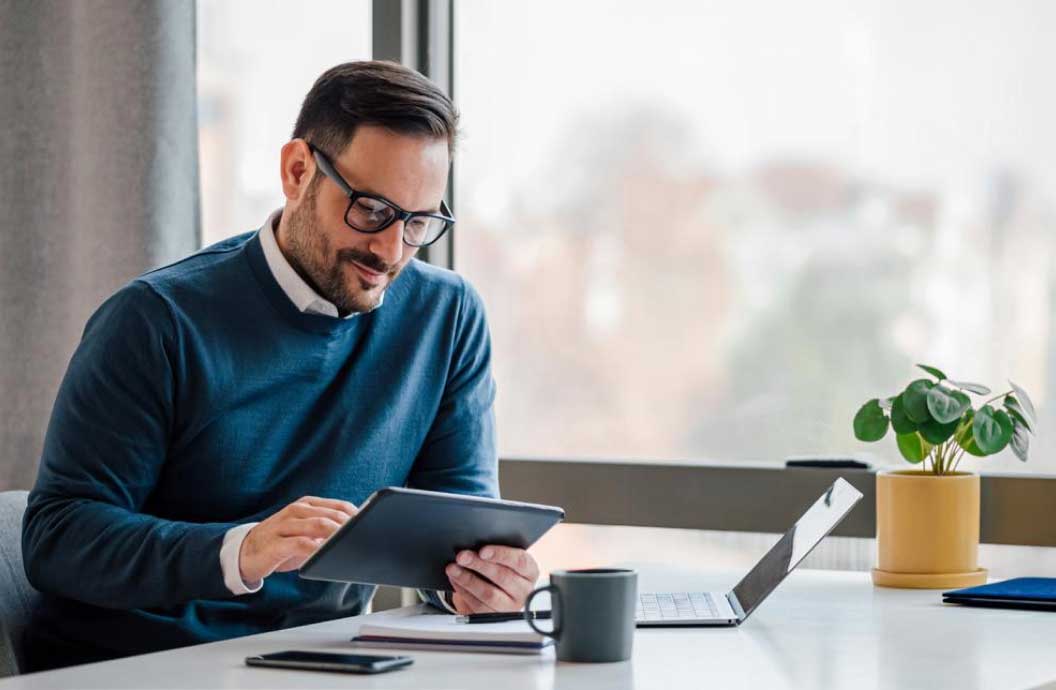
{"x": 307, "y": 570}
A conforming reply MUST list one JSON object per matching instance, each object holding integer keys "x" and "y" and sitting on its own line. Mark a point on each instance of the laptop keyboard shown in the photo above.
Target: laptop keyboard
{"x": 675, "y": 606}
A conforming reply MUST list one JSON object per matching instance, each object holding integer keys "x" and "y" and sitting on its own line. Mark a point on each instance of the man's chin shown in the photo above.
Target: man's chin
{"x": 367, "y": 290}
{"x": 363, "y": 294}
{"x": 363, "y": 297}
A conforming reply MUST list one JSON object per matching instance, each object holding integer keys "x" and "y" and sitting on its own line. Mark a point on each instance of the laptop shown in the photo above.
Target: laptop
{"x": 733, "y": 608}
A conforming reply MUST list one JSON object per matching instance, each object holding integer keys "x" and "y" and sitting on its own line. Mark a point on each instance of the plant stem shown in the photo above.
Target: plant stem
{"x": 947, "y": 452}
{"x": 998, "y": 396}
{"x": 957, "y": 461}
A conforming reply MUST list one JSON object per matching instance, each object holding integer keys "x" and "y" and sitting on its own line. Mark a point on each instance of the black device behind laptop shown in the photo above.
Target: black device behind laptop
{"x": 406, "y": 537}
{"x": 328, "y": 661}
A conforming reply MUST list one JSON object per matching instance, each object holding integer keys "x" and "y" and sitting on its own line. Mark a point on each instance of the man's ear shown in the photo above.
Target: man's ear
{"x": 296, "y": 169}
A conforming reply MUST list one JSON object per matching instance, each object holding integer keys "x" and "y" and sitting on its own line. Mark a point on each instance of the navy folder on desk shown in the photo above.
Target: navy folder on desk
{"x": 1037, "y": 593}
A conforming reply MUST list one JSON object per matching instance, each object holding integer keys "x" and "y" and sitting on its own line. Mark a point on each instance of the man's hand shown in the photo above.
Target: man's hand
{"x": 285, "y": 540}
{"x": 498, "y": 578}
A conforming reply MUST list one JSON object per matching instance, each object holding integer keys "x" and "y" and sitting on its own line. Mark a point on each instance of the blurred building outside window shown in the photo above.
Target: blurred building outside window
{"x": 709, "y": 231}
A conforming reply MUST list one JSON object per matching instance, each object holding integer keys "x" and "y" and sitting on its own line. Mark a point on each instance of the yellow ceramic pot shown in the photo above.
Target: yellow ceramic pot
{"x": 927, "y": 530}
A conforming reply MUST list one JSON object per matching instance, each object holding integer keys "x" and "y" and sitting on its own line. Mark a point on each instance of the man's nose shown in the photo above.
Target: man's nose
{"x": 388, "y": 244}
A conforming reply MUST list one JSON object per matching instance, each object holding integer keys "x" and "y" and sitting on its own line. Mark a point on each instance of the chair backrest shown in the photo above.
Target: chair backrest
{"x": 17, "y": 597}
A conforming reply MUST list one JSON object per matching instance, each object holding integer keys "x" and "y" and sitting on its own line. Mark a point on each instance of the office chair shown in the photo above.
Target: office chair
{"x": 17, "y": 596}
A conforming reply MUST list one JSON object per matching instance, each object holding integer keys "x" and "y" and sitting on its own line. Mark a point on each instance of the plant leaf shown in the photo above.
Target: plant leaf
{"x": 1018, "y": 413}
{"x": 1020, "y": 442}
{"x": 977, "y": 388}
{"x": 971, "y": 448}
{"x": 945, "y": 405}
{"x": 937, "y": 373}
{"x": 991, "y": 429}
{"x": 915, "y": 400}
{"x": 899, "y": 421}
{"x": 937, "y": 432}
{"x": 1025, "y": 402}
{"x": 913, "y": 447}
{"x": 870, "y": 424}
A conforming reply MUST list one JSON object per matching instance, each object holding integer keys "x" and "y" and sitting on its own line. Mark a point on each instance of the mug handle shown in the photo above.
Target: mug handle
{"x": 555, "y": 600}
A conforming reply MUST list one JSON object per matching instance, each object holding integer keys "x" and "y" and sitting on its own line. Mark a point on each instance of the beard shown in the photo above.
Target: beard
{"x": 314, "y": 260}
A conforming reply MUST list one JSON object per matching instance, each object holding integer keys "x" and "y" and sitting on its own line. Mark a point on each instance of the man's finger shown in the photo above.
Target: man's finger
{"x": 512, "y": 582}
{"x": 518, "y": 560}
{"x": 292, "y": 552}
{"x": 317, "y": 527}
{"x": 487, "y": 593}
{"x": 465, "y": 602}
{"x": 300, "y": 553}
{"x": 306, "y": 510}
{"x": 332, "y": 503}
{"x": 297, "y": 546}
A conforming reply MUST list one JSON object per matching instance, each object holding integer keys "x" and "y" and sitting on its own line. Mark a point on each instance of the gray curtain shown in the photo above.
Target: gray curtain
{"x": 98, "y": 182}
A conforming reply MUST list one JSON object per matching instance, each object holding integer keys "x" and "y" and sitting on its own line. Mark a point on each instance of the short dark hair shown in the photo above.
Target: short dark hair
{"x": 380, "y": 93}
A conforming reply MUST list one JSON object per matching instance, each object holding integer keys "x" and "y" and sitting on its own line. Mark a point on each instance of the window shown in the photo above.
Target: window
{"x": 256, "y": 62}
{"x": 711, "y": 230}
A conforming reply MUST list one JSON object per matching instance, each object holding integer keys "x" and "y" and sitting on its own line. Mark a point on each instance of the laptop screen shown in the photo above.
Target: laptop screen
{"x": 797, "y": 542}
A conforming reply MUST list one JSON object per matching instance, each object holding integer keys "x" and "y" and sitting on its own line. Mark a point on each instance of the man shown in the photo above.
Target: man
{"x": 212, "y": 404}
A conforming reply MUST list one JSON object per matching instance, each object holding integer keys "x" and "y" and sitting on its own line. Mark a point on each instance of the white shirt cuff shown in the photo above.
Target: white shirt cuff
{"x": 229, "y": 552}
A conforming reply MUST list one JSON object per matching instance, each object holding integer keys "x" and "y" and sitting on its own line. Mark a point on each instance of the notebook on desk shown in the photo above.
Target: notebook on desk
{"x": 441, "y": 632}
{"x": 1034, "y": 593}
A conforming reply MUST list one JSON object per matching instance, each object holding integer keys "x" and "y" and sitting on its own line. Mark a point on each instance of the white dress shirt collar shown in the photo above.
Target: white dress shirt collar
{"x": 303, "y": 296}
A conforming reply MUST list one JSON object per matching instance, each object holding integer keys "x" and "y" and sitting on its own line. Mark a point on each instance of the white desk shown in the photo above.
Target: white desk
{"x": 818, "y": 630}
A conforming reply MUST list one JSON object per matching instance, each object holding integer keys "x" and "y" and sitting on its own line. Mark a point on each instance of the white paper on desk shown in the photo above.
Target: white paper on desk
{"x": 444, "y": 627}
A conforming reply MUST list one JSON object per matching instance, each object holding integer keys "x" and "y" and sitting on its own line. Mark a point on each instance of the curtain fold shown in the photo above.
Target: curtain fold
{"x": 98, "y": 183}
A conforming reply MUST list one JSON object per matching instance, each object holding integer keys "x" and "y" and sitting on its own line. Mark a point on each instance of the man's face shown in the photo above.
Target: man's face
{"x": 350, "y": 268}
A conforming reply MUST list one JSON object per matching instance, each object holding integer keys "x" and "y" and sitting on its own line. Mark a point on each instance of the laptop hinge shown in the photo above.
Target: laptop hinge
{"x": 731, "y": 597}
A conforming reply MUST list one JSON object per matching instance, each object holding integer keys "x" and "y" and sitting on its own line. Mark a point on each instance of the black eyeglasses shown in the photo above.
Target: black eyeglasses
{"x": 371, "y": 213}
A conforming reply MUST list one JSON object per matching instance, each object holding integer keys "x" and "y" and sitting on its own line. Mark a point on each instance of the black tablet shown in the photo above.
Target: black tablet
{"x": 406, "y": 537}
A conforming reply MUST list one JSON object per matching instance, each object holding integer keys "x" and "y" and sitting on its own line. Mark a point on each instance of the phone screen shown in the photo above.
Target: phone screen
{"x": 330, "y": 661}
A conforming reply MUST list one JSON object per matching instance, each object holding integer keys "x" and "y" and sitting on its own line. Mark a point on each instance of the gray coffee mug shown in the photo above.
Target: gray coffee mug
{"x": 592, "y": 612}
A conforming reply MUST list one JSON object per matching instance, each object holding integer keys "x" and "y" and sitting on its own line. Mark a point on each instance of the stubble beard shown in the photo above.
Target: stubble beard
{"x": 313, "y": 257}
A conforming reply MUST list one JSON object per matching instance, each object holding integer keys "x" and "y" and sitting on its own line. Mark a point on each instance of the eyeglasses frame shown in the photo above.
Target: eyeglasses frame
{"x": 354, "y": 195}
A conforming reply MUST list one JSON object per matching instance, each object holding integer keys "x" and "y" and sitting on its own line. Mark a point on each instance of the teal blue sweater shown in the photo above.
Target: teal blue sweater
{"x": 200, "y": 398}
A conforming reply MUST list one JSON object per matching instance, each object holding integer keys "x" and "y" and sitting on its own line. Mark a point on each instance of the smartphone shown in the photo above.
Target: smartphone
{"x": 326, "y": 661}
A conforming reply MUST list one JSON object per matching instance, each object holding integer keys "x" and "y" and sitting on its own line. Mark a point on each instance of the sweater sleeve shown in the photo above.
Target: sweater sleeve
{"x": 84, "y": 535}
{"x": 459, "y": 453}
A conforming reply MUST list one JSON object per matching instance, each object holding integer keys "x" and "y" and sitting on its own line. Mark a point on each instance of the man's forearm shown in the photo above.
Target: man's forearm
{"x": 120, "y": 559}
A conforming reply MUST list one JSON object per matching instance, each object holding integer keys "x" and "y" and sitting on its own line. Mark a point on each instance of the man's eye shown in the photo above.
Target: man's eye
{"x": 371, "y": 206}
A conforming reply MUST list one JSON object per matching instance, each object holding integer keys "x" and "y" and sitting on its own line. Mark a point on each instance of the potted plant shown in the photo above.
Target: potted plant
{"x": 927, "y": 519}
